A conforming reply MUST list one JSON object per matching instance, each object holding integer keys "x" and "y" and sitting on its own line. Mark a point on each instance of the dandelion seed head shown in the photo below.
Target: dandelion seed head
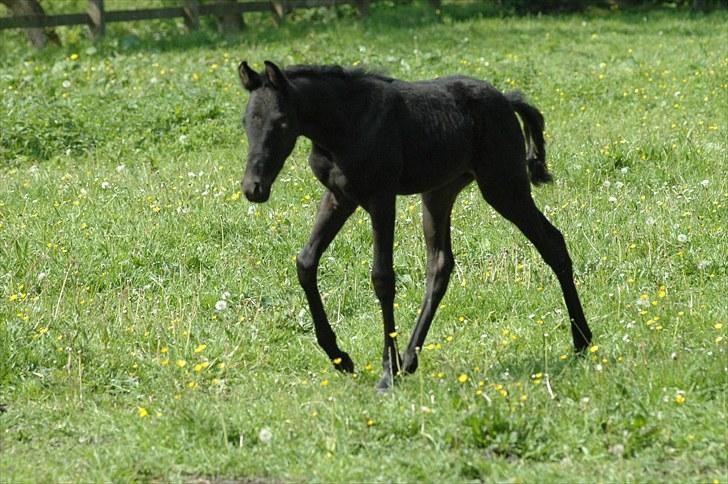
{"x": 221, "y": 305}
{"x": 265, "y": 435}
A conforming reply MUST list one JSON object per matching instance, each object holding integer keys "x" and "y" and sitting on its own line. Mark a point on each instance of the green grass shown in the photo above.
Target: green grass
{"x": 121, "y": 226}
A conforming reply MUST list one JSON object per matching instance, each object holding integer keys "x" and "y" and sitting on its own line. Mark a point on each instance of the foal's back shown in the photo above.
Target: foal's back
{"x": 451, "y": 126}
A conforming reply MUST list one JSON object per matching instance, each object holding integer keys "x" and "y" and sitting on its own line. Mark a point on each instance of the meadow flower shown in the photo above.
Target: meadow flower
{"x": 142, "y": 412}
{"x": 200, "y": 348}
{"x": 265, "y": 435}
{"x": 680, "y": 397}
{"x": 181, "y": 363}
{"x": 463, "y": 378}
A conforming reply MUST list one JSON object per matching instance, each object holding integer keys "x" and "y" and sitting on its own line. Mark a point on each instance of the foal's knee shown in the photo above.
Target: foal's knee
{"x": 383, "y": 282}
{"x": 558, "y": 258}
{"x": 306, "y": 268}
{"x": 443, "y": 264}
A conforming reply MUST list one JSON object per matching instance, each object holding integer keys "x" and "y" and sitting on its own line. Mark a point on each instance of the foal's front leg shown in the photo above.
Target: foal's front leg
{"x": 331, "y": 216}
{"x": 382, "y": 212}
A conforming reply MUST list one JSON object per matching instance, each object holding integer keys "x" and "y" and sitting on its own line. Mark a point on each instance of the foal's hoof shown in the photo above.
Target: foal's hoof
{"x": 386, "y": 382}
{"x": 581, "y": 346}
{"x": 409, "y": 361}
{"x": 389, "y": 374}
{"x": 343, "y": 363}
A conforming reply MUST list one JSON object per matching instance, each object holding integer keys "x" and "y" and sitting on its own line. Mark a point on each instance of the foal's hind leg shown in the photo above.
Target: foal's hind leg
{"x": 436, "y": 209}
{"x": 331, "y": 216}
{"x": 512, "y": 199}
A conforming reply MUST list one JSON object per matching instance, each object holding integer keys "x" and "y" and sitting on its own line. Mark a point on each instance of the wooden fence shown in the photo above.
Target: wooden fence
{"x": 96, "y": 17}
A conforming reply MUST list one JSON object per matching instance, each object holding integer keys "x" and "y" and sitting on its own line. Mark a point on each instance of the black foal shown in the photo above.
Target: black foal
{"x": 374, "y": 138}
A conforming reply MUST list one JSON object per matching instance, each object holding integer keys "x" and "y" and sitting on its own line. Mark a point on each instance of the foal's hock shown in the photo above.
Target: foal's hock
{"x": 373, "y": 138}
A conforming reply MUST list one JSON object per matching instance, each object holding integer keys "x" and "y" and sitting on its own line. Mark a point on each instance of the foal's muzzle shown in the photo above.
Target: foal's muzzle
{"x": 255, "y": 190}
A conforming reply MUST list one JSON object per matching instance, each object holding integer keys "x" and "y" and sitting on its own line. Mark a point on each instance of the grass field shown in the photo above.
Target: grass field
{"x": 122, "y": 229}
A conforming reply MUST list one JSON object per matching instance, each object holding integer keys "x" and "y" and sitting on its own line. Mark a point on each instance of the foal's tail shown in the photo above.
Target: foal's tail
{"x": 533, "y": 125}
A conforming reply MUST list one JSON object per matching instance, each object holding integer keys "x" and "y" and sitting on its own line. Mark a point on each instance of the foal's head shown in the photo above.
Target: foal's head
{"x": 272, "y": 128}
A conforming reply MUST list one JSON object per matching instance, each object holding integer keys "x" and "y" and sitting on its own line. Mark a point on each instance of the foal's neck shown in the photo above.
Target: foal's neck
{"x": 323, "y": 108}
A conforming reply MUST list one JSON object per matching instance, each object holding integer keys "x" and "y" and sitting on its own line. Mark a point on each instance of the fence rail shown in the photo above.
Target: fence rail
{"x": 190, "y": 10}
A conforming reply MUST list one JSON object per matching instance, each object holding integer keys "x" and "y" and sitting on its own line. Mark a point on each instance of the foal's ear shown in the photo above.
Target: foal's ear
{"x": 275, "y": 76}
{"x": 248, "y": 77}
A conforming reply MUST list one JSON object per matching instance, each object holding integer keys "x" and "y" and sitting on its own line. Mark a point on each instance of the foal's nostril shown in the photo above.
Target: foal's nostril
{"x": 254, "y": 191}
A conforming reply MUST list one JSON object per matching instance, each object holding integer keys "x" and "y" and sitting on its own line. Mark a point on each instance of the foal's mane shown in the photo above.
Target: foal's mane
{"x": 335, "y": 72}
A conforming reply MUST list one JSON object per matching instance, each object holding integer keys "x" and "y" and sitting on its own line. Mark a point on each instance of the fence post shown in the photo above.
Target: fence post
{"x": 191, "y": 10}
{"x": 39, "y": 37}
{"x": 231, "y": 22}
{"x": 363, "y": 7}
{"x": 96, "y": 15}
{"x": 280, "y": 10}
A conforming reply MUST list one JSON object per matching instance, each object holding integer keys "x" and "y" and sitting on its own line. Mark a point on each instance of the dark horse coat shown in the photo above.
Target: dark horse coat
{"x": 374, "y": 138}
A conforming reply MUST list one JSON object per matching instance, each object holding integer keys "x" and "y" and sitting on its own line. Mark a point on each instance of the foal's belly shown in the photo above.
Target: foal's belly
{"x": 433, "y": 170}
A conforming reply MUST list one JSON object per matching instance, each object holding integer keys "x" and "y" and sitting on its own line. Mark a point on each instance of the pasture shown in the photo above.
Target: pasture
{"x": 152, "y": 327}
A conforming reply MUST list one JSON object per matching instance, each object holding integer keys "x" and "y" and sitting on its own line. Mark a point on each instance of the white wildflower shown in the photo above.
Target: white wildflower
{"x": 265, "y": 435}
{"x": 221, "y": 305}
